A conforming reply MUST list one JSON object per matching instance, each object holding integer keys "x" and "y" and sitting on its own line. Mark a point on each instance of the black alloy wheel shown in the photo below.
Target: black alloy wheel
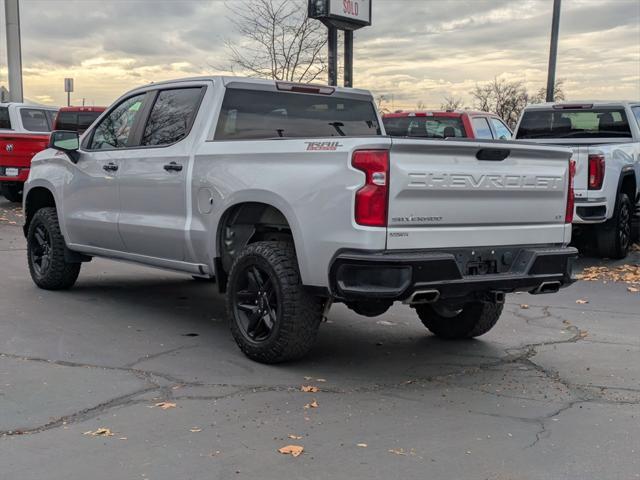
{"x": 41, "y": 251}
{"x": 624, "y": 227}
{"x": 256, "y": 303}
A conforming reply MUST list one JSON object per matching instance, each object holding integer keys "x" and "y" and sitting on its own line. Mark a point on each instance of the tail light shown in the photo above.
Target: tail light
{"x": 596, "y": 171}
{"x": 372, "y": 198}
{"x": 568, "y": 218}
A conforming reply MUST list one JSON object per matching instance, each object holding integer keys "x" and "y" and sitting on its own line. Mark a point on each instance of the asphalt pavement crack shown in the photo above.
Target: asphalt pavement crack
{"x": 84, "y": 414}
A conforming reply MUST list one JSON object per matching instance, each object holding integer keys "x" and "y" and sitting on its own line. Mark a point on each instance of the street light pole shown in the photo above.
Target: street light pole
{"x": 14, "y": 50}
{"x": 553, "y": 51}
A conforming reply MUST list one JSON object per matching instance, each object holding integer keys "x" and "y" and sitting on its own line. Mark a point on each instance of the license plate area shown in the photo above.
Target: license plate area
{"x": 489, "y": 261}
{"x": 11, "y": 172}
{"x": 481, "y": 267}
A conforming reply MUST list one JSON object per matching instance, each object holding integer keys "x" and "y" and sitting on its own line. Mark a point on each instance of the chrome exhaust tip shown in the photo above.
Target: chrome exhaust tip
{"x": 423, "y": 296}
{"x": 547, "y": 287}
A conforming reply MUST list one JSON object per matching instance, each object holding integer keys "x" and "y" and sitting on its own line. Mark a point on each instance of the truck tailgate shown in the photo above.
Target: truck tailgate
{"x": 459, "y": 193}
{"x": 16, "y": 150}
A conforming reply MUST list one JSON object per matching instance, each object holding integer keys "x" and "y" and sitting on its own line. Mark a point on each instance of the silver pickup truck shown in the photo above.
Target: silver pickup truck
{"x": 291, "y": 197}
{"x": 605, "y": 140}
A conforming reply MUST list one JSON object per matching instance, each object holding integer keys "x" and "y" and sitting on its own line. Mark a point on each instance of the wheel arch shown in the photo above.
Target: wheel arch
{"x": 628, "y": 184}
{"x": 35, "y": 198}
{"x": 250, "y": 221}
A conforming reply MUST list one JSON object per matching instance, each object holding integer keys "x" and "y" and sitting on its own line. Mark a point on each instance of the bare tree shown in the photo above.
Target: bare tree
{"x": 382, "y": 104}
{"x": 278, "y": 40}
{"x": 558, "y": 93}
{"x": 504, "y": 98}
{"x": 452, "y": 103}
{"x": 421, "y": 105}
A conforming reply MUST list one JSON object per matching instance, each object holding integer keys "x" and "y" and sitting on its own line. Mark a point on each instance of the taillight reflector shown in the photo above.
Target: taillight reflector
{"x": 372, "y": 198}
{"x": 568, "y": 218}
{"x": 596, "y": 171}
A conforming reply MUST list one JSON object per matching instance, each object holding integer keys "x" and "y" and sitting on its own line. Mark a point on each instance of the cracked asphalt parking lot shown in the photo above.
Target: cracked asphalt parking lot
{"x": 552, "y": 392}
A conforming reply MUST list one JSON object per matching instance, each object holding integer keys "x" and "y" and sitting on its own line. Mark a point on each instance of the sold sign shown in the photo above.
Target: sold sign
{"x": 351, "y": 10}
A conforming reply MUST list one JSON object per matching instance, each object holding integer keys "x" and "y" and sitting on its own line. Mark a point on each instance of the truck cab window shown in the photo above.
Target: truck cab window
{"x": 256, "y": 114}
{"x": 5, "y": 121}
{"x": 481, "y": 126}
{"x": 172, "y": 116}
{"x": 115, "y": 130}
{"x": 502, "y": 132}
{"x": 35, "y": 120}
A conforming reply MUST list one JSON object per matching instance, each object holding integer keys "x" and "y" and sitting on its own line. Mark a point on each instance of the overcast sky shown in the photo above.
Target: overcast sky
{"x": 416, "y": 50}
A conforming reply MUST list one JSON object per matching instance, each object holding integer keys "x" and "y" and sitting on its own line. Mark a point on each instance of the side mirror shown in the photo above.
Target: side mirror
{"x": 66, "y": 141}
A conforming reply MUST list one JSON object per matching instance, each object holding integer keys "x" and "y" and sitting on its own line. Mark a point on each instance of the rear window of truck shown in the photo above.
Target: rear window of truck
{"x": 579, "y": 123}
{"x": 424, "y": 127}
{"x": 34, "y": 120}
{"x": 75, "y": 121}
{"x": 254, "y": 114}
{"x": 5, "y": 121}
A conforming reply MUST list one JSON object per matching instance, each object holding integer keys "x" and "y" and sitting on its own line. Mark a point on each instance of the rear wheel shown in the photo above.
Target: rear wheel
{"x": 45, "y": 253}
{"x": 12, "y": 192}
{"x": 614, "y": 236}
{"x": 272, "y": 317}
{"x": 472, "y": 320}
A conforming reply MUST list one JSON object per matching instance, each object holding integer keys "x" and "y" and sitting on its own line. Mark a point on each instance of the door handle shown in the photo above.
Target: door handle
{"x": 110, "y": 167}
{"x": 173, "y": 167}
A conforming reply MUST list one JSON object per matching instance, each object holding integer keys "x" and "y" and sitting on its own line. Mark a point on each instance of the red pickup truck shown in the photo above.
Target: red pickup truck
{"x": 24, "y": 131}
{"x": 446, "y": 124}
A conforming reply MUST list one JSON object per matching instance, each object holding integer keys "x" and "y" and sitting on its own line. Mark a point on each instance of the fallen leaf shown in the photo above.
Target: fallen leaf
{"x": 294, "y": 437}
{"x": 195, "y": 429}
{"x": 633, "y": 289}
{"x": 581, "y": 301}
{"x": 101, "y": 432}
{"x": 397, "y": 451}
{"x": 524, "y": 306}
{"x": 309, "y": 389}
{"x": 313, "y": 404}
{"x": 122, "y": 438}
{"x": 293, "y": 450}
{"x": 165, "y": 405}
{"x": 321, "y": 380}
{"x": 583, "y": 333}
{"x": 362, "y": 445}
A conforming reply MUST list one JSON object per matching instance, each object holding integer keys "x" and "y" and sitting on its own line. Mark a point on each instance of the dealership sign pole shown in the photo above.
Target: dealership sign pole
{"x": 14, "y": 50}
{"x": 346, "y": 15}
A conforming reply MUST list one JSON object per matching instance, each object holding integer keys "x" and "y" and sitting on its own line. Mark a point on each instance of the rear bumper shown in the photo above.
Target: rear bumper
{"x": 456, "y": 273}
{"x": 23, "y": 174}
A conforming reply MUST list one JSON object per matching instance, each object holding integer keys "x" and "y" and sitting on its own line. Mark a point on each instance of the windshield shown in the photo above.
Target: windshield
{"x": 253, "y": 114}
{"x": 578, "y": 123}
{"x": 424, "y": 127}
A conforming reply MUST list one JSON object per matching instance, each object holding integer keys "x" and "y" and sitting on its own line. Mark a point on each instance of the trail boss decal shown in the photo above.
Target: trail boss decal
{"x": 323, "y": 146}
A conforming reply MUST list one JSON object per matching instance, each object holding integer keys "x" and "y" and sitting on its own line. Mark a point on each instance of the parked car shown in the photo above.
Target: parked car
{"x": 24, "y": 131}
{"x": 446, "y": 124}
{"x": 77, "y": 119}
{"x": 605, "y": 139}
{"x": 292, "y": 197}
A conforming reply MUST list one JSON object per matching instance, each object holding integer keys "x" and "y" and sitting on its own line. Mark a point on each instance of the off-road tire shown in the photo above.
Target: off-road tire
{"x": 614, "y": 236}
{"x": 298, "y": 314}
{"x": 60, "y": 274}
{"x": 475, "y": 319}
{"x": 13, "y": 193}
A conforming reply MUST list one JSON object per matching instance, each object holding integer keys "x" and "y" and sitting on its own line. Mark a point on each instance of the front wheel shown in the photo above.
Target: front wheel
{"x": 614, "y": 236}
{"x": 472, "y": 320}
{"x": 45, "y": 253}
{"x": 272, "y": 317}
